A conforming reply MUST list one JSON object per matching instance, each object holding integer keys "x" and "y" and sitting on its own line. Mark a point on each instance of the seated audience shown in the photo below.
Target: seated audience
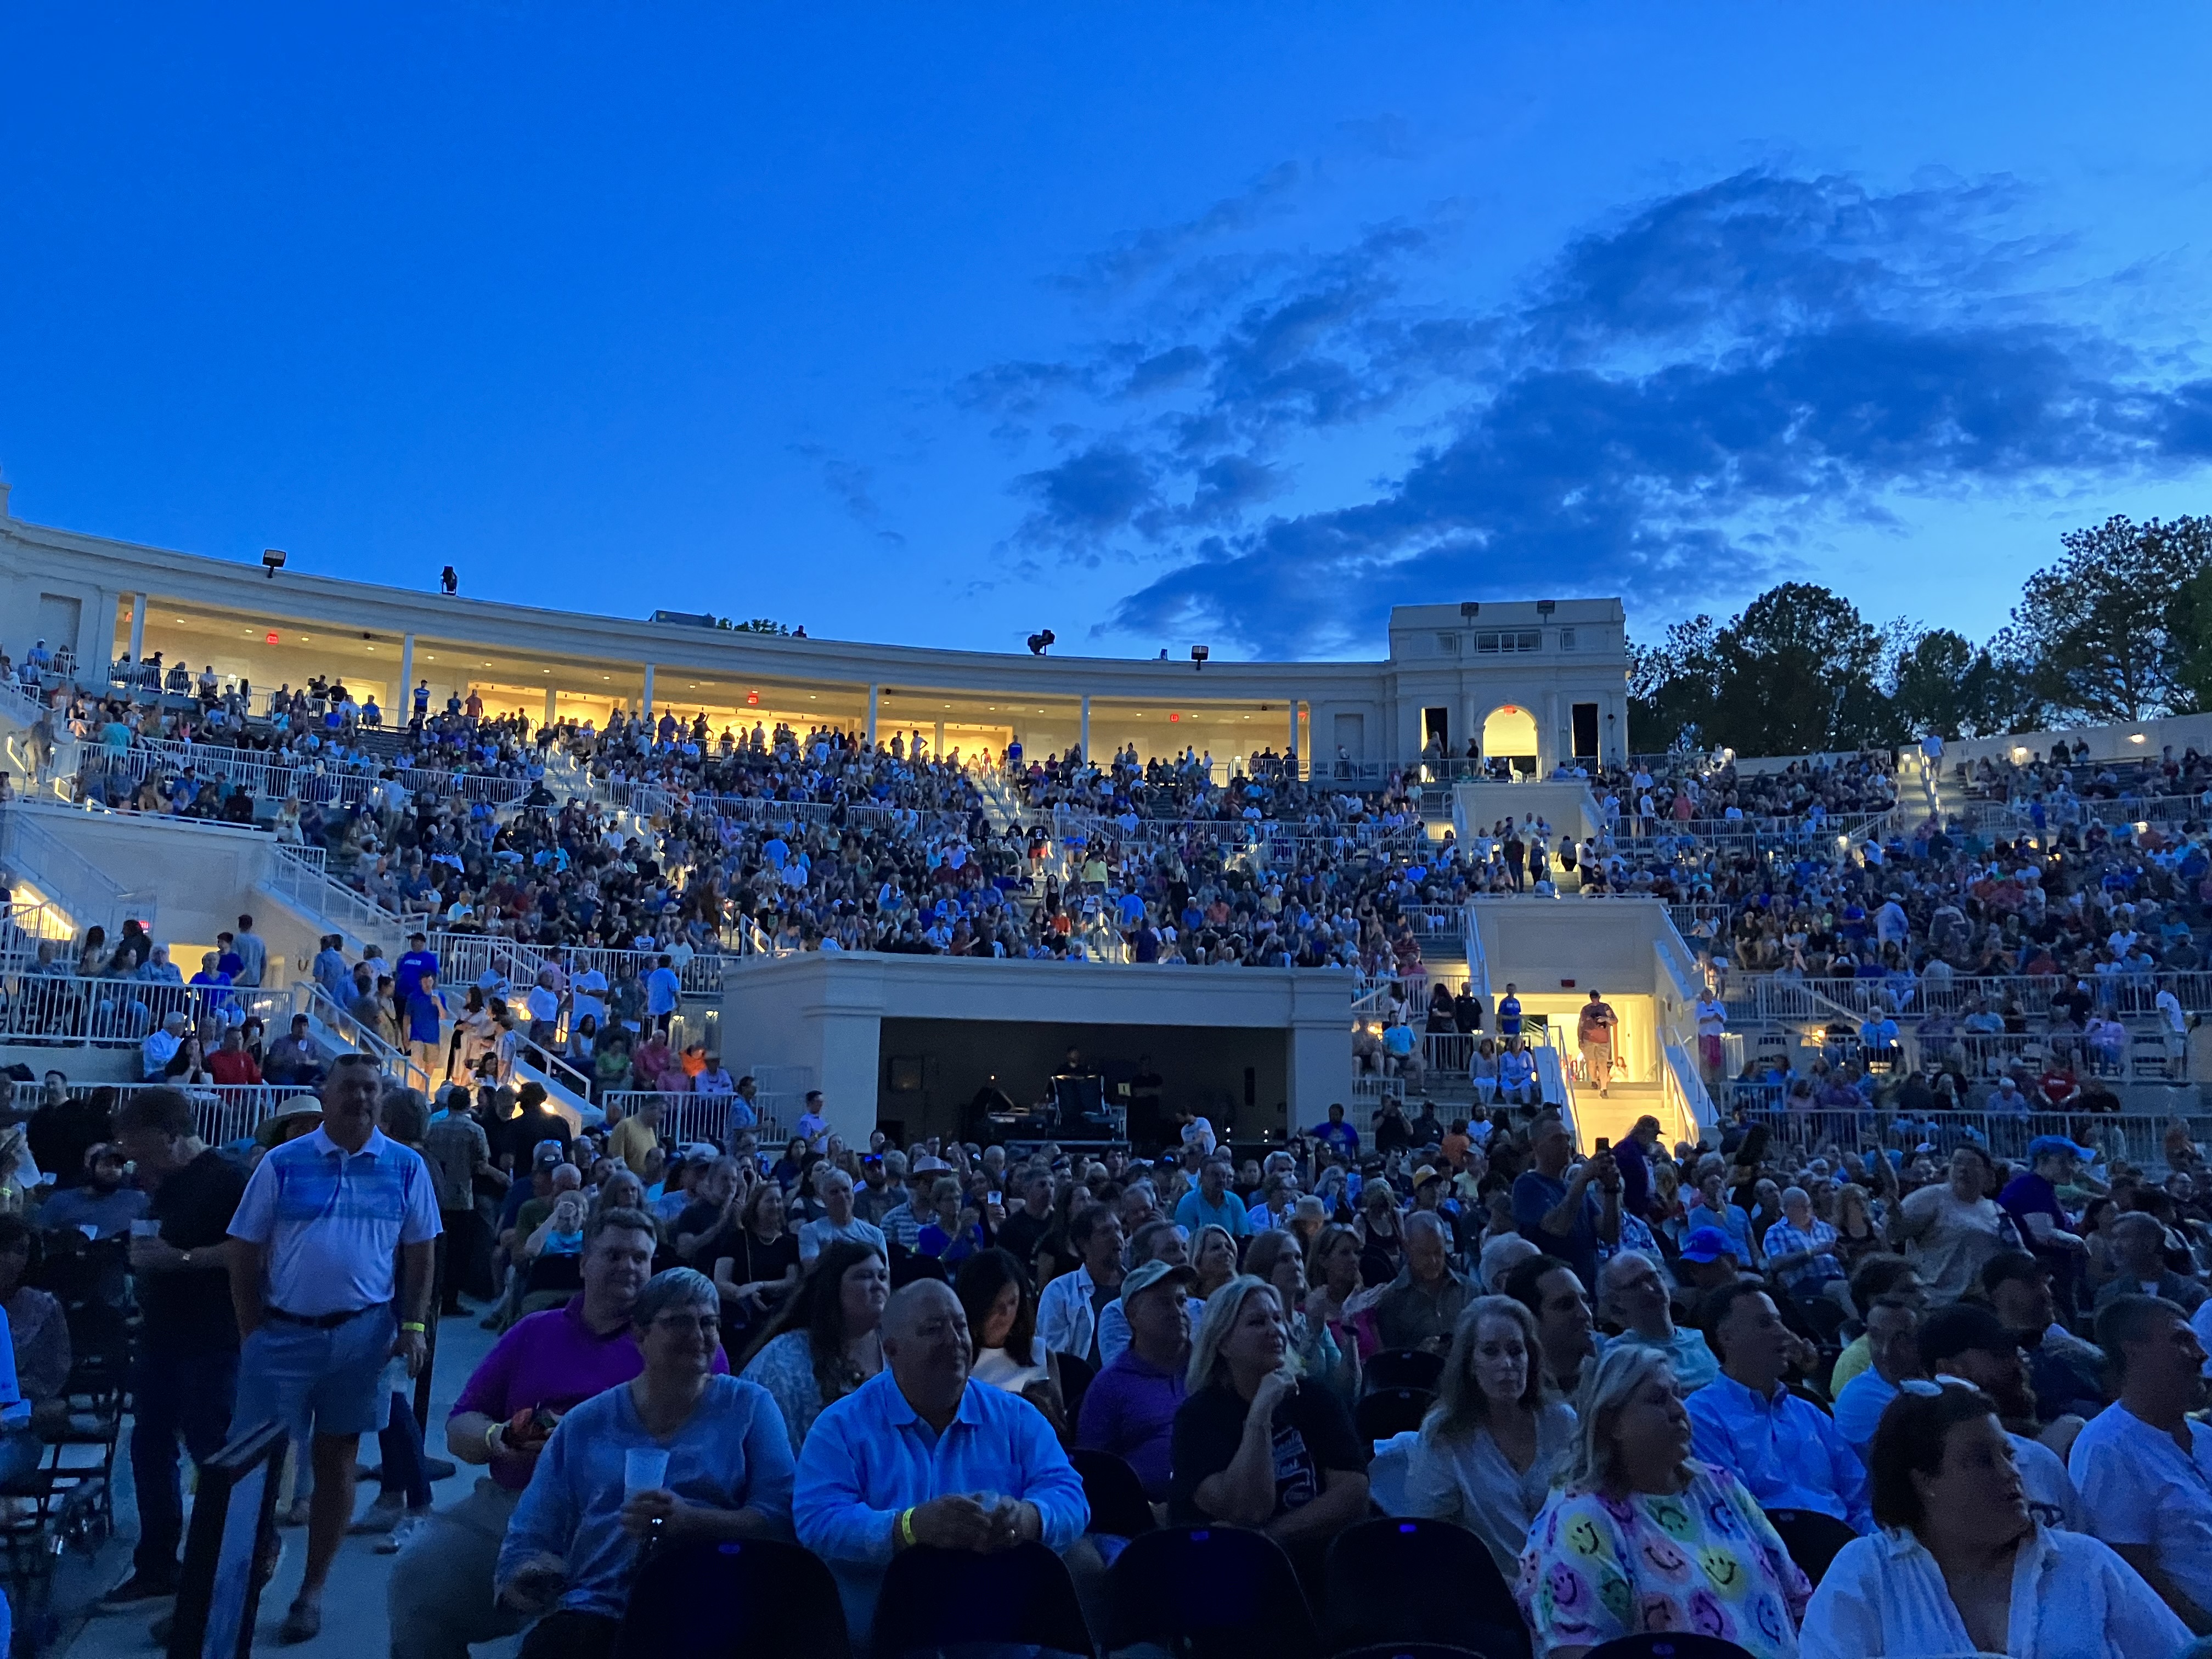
{"x": 1783, "y": 1448}
{"x": 1893, "y": 1337}
{"x": 1638, "y": 1532}
{"x": 724, "y": 1471}
{"x": 1130, "y": 1407}
{"x": 1632, "y": 1287}
{"x": 1421, "y": 1307}
{"x": 828, "y": 1340}
{"x": 1492, "y": 1446}
{"x": 994, "y": 1295}
{"x": 1968, "y": 1344}
{"x": 1547, "y": 1287}
{"x": 2144, "y": 1466}
{"x": 1253, "y": 1447}
{"x": 100, "y": 1206}
{"x": 547, "y": 1364}
{"x": 917, "y": 1456}
{"x": 1961, "y": 1567}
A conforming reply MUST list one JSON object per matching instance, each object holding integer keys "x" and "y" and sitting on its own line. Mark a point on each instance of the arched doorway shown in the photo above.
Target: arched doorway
{"x": 1510, "y": 734}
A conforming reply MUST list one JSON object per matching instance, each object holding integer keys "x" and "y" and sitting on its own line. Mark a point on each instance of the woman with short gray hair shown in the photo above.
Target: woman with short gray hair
{"x": 679, "y": 1452}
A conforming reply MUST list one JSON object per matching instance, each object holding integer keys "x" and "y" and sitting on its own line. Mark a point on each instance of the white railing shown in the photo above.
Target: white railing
{"x": 689, "y": 1118}
{"x": 65, "y": 1008}
{"x": 1696, "y": 1118}
{"x": 62, "y": 874}
{"x": 221, "y": 1112}
{"x": 1773, "y": 997}
{"x": 310, "y": 999}
{"x": 2137, "y": 1138}
{"x": 301, "y": 874}
{"x": 1477, "y": 960}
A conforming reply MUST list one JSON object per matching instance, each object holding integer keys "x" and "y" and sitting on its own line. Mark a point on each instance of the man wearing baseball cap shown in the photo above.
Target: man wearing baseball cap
{"x": 1130, "y": 1407}
{"x": 2032, "y": 1201}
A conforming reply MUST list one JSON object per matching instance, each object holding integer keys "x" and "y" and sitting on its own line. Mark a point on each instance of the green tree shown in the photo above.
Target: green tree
{"x": 2108, "y": 627}
{"x": 1672, "y": 685}
{"x": 1797, "y": 672}
{"x": 1940, "y": 681}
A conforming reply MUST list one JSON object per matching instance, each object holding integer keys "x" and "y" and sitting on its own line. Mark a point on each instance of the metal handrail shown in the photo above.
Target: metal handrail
{"x": 90, "y": 896}
{"x": 310, "y": 998}
{"x": 301, "y": 874}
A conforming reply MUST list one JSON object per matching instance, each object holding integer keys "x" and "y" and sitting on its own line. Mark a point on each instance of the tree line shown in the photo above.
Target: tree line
{"x": 2119, "y": 628}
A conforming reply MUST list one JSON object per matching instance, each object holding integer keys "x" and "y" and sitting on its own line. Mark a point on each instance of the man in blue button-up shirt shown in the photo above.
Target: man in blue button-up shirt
{"x": 1785, "y": 1449}
{"x": 918, "y": 1455}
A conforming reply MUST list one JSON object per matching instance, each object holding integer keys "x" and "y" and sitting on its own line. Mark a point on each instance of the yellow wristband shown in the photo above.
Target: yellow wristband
{"x": 906, "y": 1527}
{"x": 412, "y": 1325}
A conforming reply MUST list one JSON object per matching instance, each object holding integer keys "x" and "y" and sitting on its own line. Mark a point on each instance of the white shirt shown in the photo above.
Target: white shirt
{"x": 1712, "y": 1017}
{"x": 2072, "y": 1598}
{"x": 1469, "y": 1480}
{"x": 2138, "y": 1487}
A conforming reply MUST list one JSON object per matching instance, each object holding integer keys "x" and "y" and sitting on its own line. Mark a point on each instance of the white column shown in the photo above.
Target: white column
{"x": 937, "y": 743}
{"x": 1083, "y": 730}
{"x": 875, "y": 695}
{"x": 1548, "y": 736}
{"x": 649, "y": 691}
{"x": 549, "y": 705}
{"x": 1293, "y": 749}
{"x": 403, "y": 710}
{"x": 137, "y": 626}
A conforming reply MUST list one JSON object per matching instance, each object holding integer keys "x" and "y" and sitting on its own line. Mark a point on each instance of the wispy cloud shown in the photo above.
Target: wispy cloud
{"x": 1665, "y": 408}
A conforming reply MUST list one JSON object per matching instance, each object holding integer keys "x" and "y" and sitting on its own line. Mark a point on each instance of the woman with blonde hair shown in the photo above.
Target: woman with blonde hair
{"x": 1274, "y": 1256}
{"x": 1213, "y": 1258}
{"x": 1638, "y": 1534}
{"x": 1252, "y": 1446}
{"x": 1494, "y": 1442}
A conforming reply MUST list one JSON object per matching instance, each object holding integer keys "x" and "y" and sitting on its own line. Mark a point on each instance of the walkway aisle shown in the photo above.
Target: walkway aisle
{"x": 354, "y": 1627}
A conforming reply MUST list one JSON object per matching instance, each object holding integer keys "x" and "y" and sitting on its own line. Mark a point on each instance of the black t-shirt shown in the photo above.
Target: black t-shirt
{"x": 1312, "y": 1434}
{"x": 1022, "y": 1233}
{"x": 695, "y": 1219}
{"x": 519, "y": 1135}
{"x": 751, "y": 1262}
{"x": 192, "y": 1311}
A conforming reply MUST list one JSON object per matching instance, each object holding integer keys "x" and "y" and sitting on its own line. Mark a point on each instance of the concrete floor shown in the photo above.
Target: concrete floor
{"x": 353, "y": 1624}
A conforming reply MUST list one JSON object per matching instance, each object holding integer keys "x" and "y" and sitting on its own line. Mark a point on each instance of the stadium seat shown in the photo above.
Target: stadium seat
{"x": 1382, "y": 1580}
{"x": 1117, "y": 1501}
{"x": 935, "y": 1598}
{"x": 1210, "y": 1593}
{"x": 1814, "y": 1540}
{"x": 1668, "y": 1644}
{"x": 1412, "y": 1650}
{"x": 1382, "y": 1413}
{"x": 745, "y": 1599}
{"x": 1402, "y": 1368}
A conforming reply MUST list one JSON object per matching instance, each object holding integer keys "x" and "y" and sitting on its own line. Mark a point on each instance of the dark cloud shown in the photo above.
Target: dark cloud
{"x": 1668, "y": 408}
{"x": 1148, "y": 252}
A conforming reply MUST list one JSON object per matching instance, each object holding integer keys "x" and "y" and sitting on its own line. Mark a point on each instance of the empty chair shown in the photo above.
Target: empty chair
{"x": 1210, "y": 1593}
{"x": 1399, "y": 1579}
{"x": 1814, "y": 1540}
{"x": 1402, "y": 1368}
{"x": 744, "y": 1599}
{"x": 1382, "y": 1413}
{"x": 1668, "y": 1644}
{"x": 1116, "y": 1497}
{"x": 935, "y": 1598}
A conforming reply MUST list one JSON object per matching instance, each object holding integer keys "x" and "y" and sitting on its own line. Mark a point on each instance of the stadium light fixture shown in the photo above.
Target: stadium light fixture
{"x": 272, "y": 561}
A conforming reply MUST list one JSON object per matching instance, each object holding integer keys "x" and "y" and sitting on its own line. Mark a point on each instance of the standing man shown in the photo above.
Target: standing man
{"x": 1508, "y": 1012}
{"x": 426, "y": 1022}
{"x": 1594, "y": 1026}
{"x": 252, "y": 953}
{"x": 457, "y": 1151}
{"x": 312, "y": 1282}
{"x": 407, "y": 973}
{"x": 812, "y": 1126}
{"x": 664, "y": 994}
{"x": 1712, "y": 1015}
{"x": 186, "y": 1365}
{"x": 636, "y": 1135}
{"x": 1557, "y": 1212}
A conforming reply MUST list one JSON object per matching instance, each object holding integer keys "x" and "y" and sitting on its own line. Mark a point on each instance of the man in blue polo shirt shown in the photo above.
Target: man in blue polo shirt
{"x": 407, "y": 973}
{"x": 1211, "y": 1204}
{"x": 321, "y": 1223}
{"x": 1337, "y": 1135}
{"x": 1508, "y": 1012}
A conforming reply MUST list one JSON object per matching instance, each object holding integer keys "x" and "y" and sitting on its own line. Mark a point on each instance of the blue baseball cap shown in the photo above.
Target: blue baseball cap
{"x": 1707, "y": 1244}
{"x": 2051, "y": 1145}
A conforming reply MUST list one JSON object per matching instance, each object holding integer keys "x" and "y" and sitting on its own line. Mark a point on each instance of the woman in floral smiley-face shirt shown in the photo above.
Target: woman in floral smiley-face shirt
{"x": 1640, "y": 1536}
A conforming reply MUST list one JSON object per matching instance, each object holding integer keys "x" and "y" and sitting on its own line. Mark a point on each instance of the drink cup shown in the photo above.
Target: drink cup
{"x": 644, "y": 1469}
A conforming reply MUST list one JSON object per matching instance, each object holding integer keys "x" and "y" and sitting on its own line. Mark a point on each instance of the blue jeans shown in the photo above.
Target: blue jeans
{"x": 187, "y": 1394}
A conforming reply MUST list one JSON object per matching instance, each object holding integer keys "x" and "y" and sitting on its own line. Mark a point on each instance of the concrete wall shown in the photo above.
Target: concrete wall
{"x": 85, "y": 1065}
{"x": 1564, "y": 806}
{"x": 2184, "y": 732}
{"x": 827, "y": 1012}
{"x": 1603, "y": 943}
{"x": 204, "y": 876}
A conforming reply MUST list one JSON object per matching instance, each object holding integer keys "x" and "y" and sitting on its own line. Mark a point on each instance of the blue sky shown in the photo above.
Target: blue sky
{"x": 1153, "y": 324}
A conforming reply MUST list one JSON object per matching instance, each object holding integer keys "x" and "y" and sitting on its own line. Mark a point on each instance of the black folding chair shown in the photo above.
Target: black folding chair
{"x": 1814, "y": 1540}
{"x": 935, "y": 1598}
{"x": 1116, "y": 1497}
{"x": 1382, "y": 1413}
{"x": 1076, "y": 1375}
{"x": 746, "y": 1599}
{"x": 1414, "y": 1650}
{"x": 1402, "y": 1368}
{"x": 1668, "y": 1644}
{"x": 1210, "y": 1593}
{"x": 1381, "y": 1579}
